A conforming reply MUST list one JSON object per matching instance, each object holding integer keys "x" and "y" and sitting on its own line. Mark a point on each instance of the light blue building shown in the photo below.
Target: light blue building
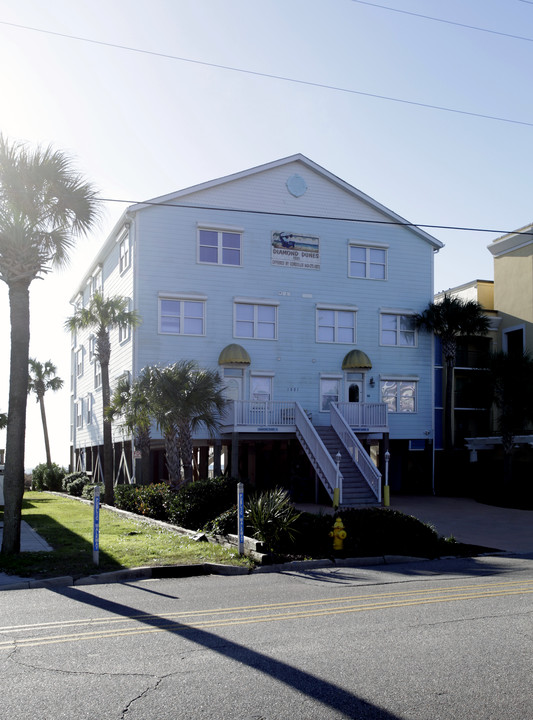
{"x": 301, "y": 291}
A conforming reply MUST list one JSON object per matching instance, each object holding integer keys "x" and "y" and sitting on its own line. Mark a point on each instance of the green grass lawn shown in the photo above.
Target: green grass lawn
{"x": 67, "y": 526}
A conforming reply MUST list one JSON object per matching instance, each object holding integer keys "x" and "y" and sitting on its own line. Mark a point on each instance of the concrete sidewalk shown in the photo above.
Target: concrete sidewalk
{"x": 30, "y": 541}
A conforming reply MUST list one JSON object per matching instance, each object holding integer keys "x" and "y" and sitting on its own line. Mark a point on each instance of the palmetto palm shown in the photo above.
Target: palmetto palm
{"x": 102, "y": 315}
{"x": 448, "y": 320}
{"x": 43, "y": 378}
{"x": 44, "y": 205}
{"x": 182, "y": 398}
{"x": 129, "y": 402}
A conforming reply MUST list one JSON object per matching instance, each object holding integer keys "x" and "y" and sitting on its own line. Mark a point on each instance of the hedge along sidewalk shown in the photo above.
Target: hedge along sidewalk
{"x": 126, "y": 541}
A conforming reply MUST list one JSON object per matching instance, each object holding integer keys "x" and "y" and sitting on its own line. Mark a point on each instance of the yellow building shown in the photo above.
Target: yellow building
{"x": 513, "y": 288}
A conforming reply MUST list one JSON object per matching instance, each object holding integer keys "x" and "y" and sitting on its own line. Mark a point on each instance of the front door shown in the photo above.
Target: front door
{"x": 354, "y": 391}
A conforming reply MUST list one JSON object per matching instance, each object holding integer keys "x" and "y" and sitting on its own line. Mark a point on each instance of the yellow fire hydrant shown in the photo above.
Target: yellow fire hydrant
{"x": 338, "y": 534}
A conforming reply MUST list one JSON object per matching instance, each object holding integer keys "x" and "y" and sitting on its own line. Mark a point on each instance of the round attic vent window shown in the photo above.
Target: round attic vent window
{"x": 296, "y": 185}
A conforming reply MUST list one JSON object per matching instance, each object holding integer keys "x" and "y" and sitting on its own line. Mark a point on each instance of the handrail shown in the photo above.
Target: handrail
{"x": 318, "y": 452}
{"x": 356, "y": 451}
{"x": 260, "y": 412}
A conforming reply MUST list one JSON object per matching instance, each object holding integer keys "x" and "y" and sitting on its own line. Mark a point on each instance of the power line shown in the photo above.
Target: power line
{"x": 271, "y": 76}
{"x": 314, "y": 217}
{"x": 448, "y": 22}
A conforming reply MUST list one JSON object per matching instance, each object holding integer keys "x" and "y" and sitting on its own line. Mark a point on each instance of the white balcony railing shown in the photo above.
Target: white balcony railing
{"x": 364, "y": 415}
{"x": 249, "y": 413}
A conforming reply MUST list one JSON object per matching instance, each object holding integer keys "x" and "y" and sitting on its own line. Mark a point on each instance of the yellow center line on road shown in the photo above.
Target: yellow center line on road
{"x": 225, "y": 622}
{"x": 268, "y": 606}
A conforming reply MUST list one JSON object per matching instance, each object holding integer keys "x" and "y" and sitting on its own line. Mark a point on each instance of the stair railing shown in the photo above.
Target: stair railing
{"x": 327, "y": 468}
{"x": 356, "y": 451}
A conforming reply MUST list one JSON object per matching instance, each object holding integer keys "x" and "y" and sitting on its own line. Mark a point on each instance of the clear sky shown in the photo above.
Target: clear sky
{"x": 142, "y": 124}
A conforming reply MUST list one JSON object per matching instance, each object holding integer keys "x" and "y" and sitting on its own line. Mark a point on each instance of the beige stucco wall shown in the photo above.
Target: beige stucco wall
{"x": 513, "y": 290}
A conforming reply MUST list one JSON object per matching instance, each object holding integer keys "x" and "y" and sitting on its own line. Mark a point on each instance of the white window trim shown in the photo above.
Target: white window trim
{"x": 335, "y": 309}
{"x": 398, "y": 379}
{"x": 97, "y": 373}
{"x": 328, "y": 376}
{"x": 255, "y": 302}
{"x": 397, "y": 313}
{"x": 124, "y": 333}
{"x": 80, "y": 364}
{"x": 124, "y": 239}
{"x": 370, "y": 245}
{"x": 79, "y": 413}
{"x": 92, "y": 348}
{"x": 89, "y": 409}
{"x": 219, "y": 229}
{"x": 262, "y": 374}
{"x": 182, "y": 297}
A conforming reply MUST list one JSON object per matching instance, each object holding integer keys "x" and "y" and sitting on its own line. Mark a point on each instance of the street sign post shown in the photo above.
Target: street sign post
{"x": 96, "y": 526}
{"x": 240, "y": 517}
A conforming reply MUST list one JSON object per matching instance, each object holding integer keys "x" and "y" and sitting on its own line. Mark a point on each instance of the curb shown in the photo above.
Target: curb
{"x": 184, "y": 571}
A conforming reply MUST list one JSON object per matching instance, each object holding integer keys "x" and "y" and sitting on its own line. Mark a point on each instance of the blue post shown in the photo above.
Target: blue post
{"x": 240, "y": 516}
{"x": 96, "y": 526}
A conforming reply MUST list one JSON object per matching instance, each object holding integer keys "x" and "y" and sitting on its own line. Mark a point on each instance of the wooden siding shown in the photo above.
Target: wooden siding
{"x": 164, "y": 251}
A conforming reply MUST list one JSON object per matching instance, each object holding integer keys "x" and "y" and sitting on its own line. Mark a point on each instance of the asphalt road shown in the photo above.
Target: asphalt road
{"x": 428, "y": 641}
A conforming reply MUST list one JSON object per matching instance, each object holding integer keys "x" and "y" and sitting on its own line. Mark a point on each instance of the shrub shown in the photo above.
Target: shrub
{"x": 272, "y": 518}
{"x": 88, "y": 491}
{"x": 48, "y": 478}
{"x": 380, "y": 531}
{"x": 73, "y": 483}
{"x": 148, "y": 500}
{"x": 199, "y": 502}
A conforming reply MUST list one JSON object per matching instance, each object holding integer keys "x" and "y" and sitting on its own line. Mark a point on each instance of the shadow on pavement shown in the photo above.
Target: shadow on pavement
{"x": 314, "y": 687}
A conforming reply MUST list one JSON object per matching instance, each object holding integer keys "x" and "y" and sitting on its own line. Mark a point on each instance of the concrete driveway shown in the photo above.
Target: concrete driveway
{"x": 472, "y": 522}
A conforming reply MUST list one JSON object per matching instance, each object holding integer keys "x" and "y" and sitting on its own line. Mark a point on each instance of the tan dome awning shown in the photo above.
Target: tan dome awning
{"x": 356, "y": 360}
{"x": 234, "y": 355}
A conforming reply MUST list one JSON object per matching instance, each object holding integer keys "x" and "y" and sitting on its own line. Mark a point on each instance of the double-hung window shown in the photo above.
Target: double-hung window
{"x": 399, "y": 394}
{"x": 220, "y": 247}
{"x": 79, "y": 413}
{"x": 398, "y": 329}
{"x": 124, "y": 253}
{"x": 257, "y": 320}
{"x": 96, "y": 282}
{"x": 97, "y": 375}
{"x": 124, "y": 331}
{"x": 182, "y": 315}
{"x": 79, "y": 361}
{"x": 261, "y": 388}
{"x": 89, "y": 408}
{"x": 330, "y": 388}
{"x": 367, "y": 261}
{"x": 335, "y": 324}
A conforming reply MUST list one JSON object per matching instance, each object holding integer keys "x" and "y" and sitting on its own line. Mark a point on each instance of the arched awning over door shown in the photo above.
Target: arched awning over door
{"x": 356, "y": 360}
{"x": 234, "y": 354}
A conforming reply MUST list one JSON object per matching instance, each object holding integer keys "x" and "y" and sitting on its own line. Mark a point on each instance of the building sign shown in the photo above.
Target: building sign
{"x": 296, "y": 251}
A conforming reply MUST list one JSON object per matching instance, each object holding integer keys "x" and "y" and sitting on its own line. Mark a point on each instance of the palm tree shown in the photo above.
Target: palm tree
{"x": 448, "y": 320}
{"x": 510, "y": 380}
{"x": 44, "y": 205}
{"x": 183, "y": 398}
{"x": 43, "y": 378}
{"x": 102, "y": 315}
{"x": 129, "y": 401}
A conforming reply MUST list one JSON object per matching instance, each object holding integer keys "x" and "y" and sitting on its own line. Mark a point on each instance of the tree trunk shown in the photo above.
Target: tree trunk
{"x": 448, "y": 405}
{"x": 109, "y": 494}
{"x": 185, "y": 445}
{"x": 45, "y": 431}
{"x": 173, "y": 458}
{"x": 19, "y": 304}
{"x": 142, "y": 443}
